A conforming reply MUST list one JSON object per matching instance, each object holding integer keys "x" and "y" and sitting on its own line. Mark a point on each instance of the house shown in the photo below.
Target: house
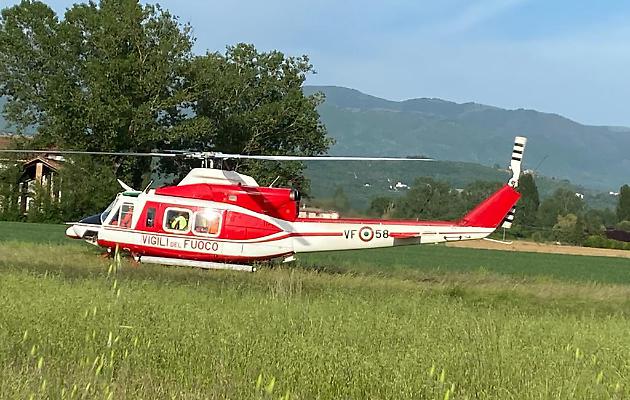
{"x": 398, "y": 186}
{"x": 42, "y": 170}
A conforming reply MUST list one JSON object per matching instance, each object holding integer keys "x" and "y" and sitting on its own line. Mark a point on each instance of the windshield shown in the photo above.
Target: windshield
{"x": 105, "y": 213}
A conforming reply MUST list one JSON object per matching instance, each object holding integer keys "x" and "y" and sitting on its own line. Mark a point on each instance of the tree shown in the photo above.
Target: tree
{"x": 121, "y": 76}
{"x": 477, "y": 191}
{"x": 569, "y": 229}
{"x": 9, "y": 195}
{"x": 340, "y": 200}
{"x": 87, "y": 186}
{"x": 623, "y": 205}
{"x": 430, "y": 199}
{"x": 381, "y": 207}
{"x": 527, "y": 206}
{"x": 595, "y": 221}
{"x": 255, "y": 104}
{"x": 562, "y": 202}
{"x": 623, "y": 225}
{"x": 108, "y": 77}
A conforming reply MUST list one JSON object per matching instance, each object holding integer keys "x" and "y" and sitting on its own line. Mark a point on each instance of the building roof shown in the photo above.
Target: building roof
{"x": 5, "y": 141}
{"x": 52, "y": 164}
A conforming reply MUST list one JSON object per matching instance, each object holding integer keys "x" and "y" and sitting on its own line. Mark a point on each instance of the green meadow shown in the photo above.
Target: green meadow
{"x": 416, "y": 322}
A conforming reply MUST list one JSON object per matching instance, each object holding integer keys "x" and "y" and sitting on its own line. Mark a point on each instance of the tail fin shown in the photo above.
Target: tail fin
{"x": 492, "y": 211}
{"x": 499, "y": 207}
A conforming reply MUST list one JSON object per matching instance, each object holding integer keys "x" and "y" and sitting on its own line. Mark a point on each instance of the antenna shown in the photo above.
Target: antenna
{"x": 274, "y": 181}
{"x": 541, "y": 161}
{"x": 146, "y": 189}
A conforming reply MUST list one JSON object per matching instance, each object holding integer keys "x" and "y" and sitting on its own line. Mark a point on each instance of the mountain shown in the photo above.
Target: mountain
{"x": 592, "y": 156}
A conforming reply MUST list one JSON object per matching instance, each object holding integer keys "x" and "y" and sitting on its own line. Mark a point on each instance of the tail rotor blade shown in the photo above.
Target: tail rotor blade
{"x": 517, "y": 158}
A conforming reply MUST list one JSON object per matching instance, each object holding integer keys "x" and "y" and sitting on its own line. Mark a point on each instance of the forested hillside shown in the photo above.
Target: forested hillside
{"x": 592, "y": 156}
{"x": 363, "y": 181}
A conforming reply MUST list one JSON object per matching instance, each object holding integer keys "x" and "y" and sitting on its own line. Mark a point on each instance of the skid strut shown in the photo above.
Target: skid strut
{"x": 193, "y": 263}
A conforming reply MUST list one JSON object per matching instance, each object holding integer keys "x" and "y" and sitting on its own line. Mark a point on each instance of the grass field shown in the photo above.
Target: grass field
{"x": 417, "y": 322}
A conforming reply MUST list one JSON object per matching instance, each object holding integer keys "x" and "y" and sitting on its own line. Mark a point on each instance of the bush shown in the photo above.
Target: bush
{"x": 539, "y": 237}
{"x": 623, "y": 225}
{"x": 604, "y": 243}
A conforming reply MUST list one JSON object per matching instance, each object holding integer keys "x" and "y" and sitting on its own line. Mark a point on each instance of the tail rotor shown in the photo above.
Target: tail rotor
{"x": 517, "y": 158}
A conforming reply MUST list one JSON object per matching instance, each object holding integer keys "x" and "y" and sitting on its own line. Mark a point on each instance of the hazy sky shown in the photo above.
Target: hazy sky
{"x": 570, "y": 57}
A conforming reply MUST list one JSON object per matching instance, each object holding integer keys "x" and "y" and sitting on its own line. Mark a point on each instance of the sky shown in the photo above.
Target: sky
{"x": 570, "y": 57}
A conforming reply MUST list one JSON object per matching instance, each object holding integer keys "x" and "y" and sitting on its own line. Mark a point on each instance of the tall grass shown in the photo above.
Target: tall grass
{"x": 32, "y": 233}
{"x": 415, "y": 261}
{"x": 69, "y": 329}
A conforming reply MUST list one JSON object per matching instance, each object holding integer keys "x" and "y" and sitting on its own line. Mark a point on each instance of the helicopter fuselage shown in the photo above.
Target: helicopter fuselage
{"x": 236, "y": 223}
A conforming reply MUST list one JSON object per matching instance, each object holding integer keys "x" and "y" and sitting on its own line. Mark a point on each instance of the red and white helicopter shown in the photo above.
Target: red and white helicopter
{"x": 224, "y": 220}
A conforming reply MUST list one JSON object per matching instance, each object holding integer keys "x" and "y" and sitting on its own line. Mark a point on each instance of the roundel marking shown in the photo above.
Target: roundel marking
{"x": 366, "y": 234}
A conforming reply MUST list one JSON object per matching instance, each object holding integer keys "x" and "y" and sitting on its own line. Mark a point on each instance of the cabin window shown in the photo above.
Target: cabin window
{"x": 207, "y": 223}
{"x": 150, "y": 217}
{"x": 177, "y": 220}
{"x": 126, "y": 214}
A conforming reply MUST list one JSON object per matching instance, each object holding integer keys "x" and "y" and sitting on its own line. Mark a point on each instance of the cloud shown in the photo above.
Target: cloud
{"x": 477, "y": 13}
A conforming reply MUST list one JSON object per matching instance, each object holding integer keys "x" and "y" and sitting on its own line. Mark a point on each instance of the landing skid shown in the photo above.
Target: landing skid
{"x": 193, "y": 263}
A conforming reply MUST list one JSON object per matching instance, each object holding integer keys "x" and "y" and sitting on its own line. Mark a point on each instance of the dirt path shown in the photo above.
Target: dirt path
{"x": 541, "y": 248}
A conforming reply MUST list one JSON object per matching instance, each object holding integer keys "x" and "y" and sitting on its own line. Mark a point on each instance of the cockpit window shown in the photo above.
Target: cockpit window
{"x": 115, "y": 217}
{"x": 108, "y": 210}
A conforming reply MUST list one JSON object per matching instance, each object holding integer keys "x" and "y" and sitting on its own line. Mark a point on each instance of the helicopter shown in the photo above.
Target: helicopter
{"x": 221, "y": 219}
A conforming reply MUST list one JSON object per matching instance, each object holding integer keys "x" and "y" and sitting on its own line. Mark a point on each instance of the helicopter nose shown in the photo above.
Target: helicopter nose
{"x": 71, "y": 233}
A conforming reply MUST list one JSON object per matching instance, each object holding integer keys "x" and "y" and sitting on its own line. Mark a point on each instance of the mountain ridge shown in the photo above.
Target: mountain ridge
{"x": 362, "y": 124}
{"x": 329, "y": 89}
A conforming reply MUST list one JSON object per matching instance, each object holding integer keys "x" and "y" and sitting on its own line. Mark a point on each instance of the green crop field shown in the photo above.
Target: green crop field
{"x": 418, "y": 322}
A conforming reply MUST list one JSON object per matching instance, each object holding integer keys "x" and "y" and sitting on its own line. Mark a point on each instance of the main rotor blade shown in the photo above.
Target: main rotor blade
{"x": 217, "y": 155}
{"x": 92, "y": 153}
{"x": 318, "y": 158}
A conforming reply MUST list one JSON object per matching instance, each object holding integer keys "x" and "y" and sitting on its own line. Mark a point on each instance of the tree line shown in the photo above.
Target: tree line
{"x": 562, "y": 217}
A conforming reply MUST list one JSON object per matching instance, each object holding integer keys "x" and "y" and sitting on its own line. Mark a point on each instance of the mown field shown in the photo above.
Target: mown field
{"x": 418, "y": 322}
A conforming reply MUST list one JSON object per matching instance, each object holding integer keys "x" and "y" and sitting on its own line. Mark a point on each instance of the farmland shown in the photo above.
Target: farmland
{"x": 415, "y": 322}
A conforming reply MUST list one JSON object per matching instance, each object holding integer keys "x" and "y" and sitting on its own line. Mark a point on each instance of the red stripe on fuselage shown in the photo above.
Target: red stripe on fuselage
{"x": 359, "y": 221}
